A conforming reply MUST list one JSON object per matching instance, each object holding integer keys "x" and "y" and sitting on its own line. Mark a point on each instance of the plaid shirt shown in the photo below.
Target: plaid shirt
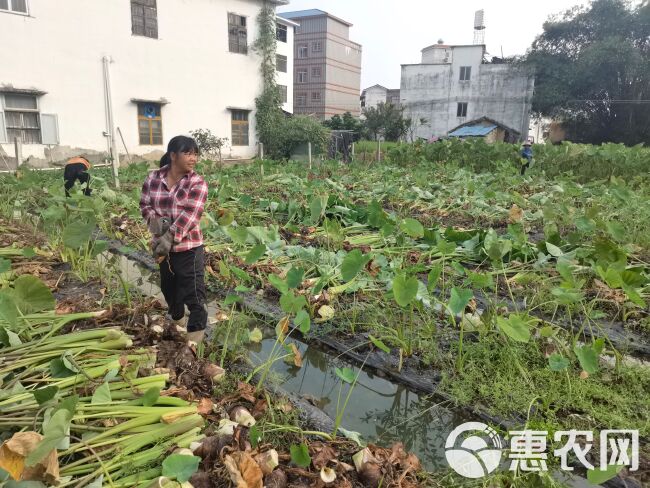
{"x": 183, "y": 204}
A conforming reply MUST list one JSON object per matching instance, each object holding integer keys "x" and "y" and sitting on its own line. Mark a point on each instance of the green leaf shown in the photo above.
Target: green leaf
{"x": 585, "y": 225}
{"x": 150, "y": 397}
{"x": 379, "y": 344}
{"x": 291, "y": 303}
{"x": 54, "y": 431}
{"x": 412, "y": 228}
{"x": 317, "y": 207}
{"x": 353, "y": 262}
{"x": 255, "y": 254}
{"x": 616, "y": 230}
{"x": 557, "y": 362}
{"x": 597, "y": 476}
{"x": 405, "y": 289}
{"x": 433, "y": 277}
{"x": 8, "y": 309}
{"x": 445, "y": 248}
{"x": 99, "y": 247}
{"x": 45, "y": 394}
{"x": 353, "y": 436}
{"x": 5, "y": 265}
{"x": 346, "y": 374}
{"x": 515, "y": 328}
{"x": 238, "y": 234}
{"x": 227, "y": 218}
{"x": 254, "y": 436}
{"x": 77, "y": 234}
{"x": 294, "y": 277}
{"x": 546, "y": 331}
{"x": 102, "y": 394}
{"x": 180, "y": 467}
{"x": 31, "y": 295}
{"x": 29, "y": 252}
{"x": 633, "y": 296}
{"x": 553, "y": 250}
{"x": 255, "y": 335}
{"x": 587, "y": 357}
{"x": 281, "y": 285}
{"x": 459, "y": 299}
{"x": 230, "y": 299}
{"x": 59, "y": 370}
{"x": 303, "y": 321}
{"x": 300, "y": 455}
{"x": 9, "y": 338}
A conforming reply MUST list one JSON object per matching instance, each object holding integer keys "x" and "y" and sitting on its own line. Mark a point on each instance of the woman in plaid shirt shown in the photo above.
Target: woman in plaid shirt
{"x": 172, "y": 202}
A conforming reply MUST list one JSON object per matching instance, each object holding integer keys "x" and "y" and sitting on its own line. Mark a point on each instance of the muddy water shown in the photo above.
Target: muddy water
{"x": 381, "y": 411}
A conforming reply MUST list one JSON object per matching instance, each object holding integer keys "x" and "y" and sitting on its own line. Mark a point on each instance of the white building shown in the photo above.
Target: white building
{"x": 284, "y": 60}
{"x": 168, "y": 67}
{"x": 376, "y": 94}
{"x": 454, "y": 85}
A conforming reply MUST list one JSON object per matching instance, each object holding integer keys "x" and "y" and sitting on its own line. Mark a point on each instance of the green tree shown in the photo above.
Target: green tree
{"x": 593, "y": 71}
{"x": 385, "y": 120}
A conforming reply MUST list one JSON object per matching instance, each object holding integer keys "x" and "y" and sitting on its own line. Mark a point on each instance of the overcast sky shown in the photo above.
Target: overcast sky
{"x": 392, "y": 32}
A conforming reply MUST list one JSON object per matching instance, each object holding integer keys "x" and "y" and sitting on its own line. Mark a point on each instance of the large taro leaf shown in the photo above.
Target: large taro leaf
{"x": 405, "y": 289}
{"x": 77, "y": 234}
{"x": 8, "y": 311}
{"x": 31, "y": 295}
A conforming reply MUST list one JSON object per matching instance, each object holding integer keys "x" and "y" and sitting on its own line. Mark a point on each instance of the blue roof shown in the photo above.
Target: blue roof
{"x": 302, "y": 13}
{"x": 473, "y": 131}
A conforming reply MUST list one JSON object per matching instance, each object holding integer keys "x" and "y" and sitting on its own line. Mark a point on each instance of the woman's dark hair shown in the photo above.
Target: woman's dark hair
{"x": 179, "y": 144}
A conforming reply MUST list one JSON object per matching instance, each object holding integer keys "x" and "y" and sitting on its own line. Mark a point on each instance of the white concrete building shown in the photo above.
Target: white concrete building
{"x": 453, "y": 85}
{"x": 286, "y": 31}
{"x": 168, "y": 67}
{"x": 376, "y": 94}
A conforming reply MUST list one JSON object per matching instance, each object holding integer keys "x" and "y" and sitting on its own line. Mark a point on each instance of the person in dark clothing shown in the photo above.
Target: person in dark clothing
{"x": 77, "y": 169}
{"x": 172, "y": 202}
{"x": 526, "y": 157}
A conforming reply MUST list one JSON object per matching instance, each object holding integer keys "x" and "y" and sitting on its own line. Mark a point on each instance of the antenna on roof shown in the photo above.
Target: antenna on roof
{"x": 479, "y": 27}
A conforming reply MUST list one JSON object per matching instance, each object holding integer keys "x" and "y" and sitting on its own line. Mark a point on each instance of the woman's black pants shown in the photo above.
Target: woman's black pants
{"x": 182, "y": 281}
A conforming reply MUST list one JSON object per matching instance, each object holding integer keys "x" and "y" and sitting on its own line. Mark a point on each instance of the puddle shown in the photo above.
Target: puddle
{"x": 381, "y": 411}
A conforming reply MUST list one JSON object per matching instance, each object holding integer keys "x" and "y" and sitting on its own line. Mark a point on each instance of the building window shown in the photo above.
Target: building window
{"x": 281, "y": 32}
{"x": 461, "y": 110}
{"x": 240, "y": 128}
{"x": 22, "y": 118}
{"x": 303, "y": 51}
{"x": 150, "y": 124}
{"x": 315, "y": 96}
{"x": 237, "y": 34}
{"x": 18, "y": 6}
{"x": 281, "y": 63}
{"x": 316, "y": 47}
{"x": 301, "y": 76}
{"x": 283, "y": 93}
{"x": 465, "y": 73}
{"x": 301, "y": 99}
{"x": 144, "y": 18}
{"x": 316, "y": 72}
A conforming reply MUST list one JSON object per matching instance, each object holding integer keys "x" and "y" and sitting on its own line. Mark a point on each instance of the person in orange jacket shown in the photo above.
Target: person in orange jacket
{"x": 77, "y": 169}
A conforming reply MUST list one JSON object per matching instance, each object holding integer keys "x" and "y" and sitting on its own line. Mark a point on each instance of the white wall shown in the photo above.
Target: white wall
{"x": 498, "y": 91}
{"x": 374, "y": 96}
{"x": 286, "y": 79}
{"x": 59, "y": 50}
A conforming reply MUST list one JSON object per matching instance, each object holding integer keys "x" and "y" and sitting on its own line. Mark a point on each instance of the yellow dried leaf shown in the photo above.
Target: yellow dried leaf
{"x": 326, "y": 312}
{"x": 283, "y": 325}
{"x": 515, "y": 214}
{"x": 244, "y": 471}
{"x": 14, "y": 451}
{"x": 297, "y": 357}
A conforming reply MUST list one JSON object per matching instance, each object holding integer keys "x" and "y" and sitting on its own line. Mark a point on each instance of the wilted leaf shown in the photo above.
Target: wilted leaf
{"x": 13, "y": 454}
{"x": 244, "y": 471}
{"x": 515, "y": 214}
{"x": 102, "y": 394}
{"x": 150, "y": 396}
{"x": 255, "y": 335}
{"x": 297, "y": 357}
{"x": 326, "y": 312}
